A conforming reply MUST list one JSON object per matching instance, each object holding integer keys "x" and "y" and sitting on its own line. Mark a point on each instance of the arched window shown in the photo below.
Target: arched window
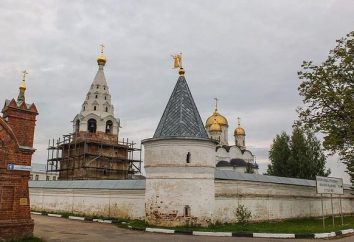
{"x": 77, "y": 126}
{"x": 92, "y": 125}
{"x": 96, "y": 96}
{"x": 109, "y": 127}
{"x": 94, "y": 108}
{"x": 106, "y": 109}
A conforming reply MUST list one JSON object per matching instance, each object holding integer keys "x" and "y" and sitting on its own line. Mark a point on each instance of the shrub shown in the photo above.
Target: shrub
{"x": 242, "y": 214}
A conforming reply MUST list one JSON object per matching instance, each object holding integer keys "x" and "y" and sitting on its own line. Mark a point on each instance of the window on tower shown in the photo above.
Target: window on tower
{"x": 94, "y": 108}
{"x": 106, "y": 109}
{"x": 77, "y": 126}
{"x": 92, "y": 125}
{"x": 188, "y": 158}
{"x": 96, "y": 96}
{"x": 109, "y": 127}
{"x": 187, "y": 211}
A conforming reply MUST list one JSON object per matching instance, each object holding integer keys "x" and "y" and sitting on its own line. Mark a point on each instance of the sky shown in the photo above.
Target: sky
{"x": 244, "y": 52}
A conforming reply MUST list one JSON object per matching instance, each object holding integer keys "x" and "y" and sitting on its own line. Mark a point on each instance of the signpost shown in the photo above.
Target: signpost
{"x": 330, "y": 185}
{"x": 13, "y": 167}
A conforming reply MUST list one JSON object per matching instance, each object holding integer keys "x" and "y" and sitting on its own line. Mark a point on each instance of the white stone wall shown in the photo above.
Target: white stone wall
{"x": 103, "y": 202}
{"x": 269, "y": 201}
{"x": 172, "y": 184}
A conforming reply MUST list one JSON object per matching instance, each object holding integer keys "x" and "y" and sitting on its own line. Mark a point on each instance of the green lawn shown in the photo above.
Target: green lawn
{"x": 287, "y": 226}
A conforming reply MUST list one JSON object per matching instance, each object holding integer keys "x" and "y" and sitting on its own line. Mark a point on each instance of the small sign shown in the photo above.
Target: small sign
{"x": 13, "y": 167}
{"x": 23, "y": 201}
{"x": 329, "y": 185}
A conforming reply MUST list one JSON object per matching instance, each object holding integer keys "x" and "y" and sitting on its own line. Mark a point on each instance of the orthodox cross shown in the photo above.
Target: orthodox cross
{"x": 216, "y": 103}
{"x": 102, "y": 48}
{"x": 239, "y": 121}
{"x": 24, "y": 73}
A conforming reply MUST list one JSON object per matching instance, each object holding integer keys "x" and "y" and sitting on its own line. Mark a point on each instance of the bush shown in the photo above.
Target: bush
{"x": 242, "y": 214}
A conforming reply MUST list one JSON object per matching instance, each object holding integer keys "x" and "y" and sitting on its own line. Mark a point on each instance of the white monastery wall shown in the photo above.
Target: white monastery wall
{"x": 266, "y": 201}
{"x": 102, "y": 202}
{"x": 269, "y": 201}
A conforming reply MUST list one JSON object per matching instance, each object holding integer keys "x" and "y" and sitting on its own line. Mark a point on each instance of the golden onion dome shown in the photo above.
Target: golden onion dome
{"x": 239, "y": 130}
{"x": 221, "y": 120}
{"x": 101, "y": 59}
{"x": 215, "y": 127}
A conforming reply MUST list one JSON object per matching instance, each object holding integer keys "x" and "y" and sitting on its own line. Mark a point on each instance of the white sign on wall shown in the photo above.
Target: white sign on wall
{"x": 329, "y": 185}
{"x": 13, "y": 167}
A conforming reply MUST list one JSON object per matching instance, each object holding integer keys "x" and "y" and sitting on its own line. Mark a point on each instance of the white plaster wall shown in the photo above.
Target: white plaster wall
{"x": 269, "y": 201}
{"x": 110, "y": 203}
{"x": 172, "y": 183}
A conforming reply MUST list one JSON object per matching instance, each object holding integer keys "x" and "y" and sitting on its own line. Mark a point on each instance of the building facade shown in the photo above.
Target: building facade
{"x": 230, "y": 157}
{"x": 39, "y": 173}
{"x": 93, "y": 150}
{"x": 17, "y": 126}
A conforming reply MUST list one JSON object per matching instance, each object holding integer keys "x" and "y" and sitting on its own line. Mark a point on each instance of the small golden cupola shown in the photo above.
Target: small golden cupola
{"x": 215, "y": 127}
{"x": 216, "y": 117}
{"x": 239, "y": 130}
{"x": 21, "y": 95}
{"x": 101, "y": 59}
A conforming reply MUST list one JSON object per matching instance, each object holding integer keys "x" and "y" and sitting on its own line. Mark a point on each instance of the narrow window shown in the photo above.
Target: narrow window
{"x": 105, "y": 97}
{"x": 106, "y": 109}
{"x": 37, "y": 177}
{"x": 47, "y": 178}
{"x": 94, "y": 108}
{"x": 187, "y": 211}
{"x": 188, "y": 158}
{"x": 96, "y": 96}
{"x": 84, "y": 108}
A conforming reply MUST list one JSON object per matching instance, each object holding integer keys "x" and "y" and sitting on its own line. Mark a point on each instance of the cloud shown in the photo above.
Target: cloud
{"x": 246, "y": 53}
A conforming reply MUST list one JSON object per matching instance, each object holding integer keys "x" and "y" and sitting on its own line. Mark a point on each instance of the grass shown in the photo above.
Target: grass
{"x": 309, "y": 225}
{"x": 306, "y": 225}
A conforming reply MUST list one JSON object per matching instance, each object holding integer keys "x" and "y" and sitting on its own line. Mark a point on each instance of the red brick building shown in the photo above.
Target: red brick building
{"x": 16, "y": 148}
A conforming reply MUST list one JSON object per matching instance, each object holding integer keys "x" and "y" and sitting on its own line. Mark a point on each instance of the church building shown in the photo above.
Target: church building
{"x": 230, "y": 157}
{"x": 93, "y": 149}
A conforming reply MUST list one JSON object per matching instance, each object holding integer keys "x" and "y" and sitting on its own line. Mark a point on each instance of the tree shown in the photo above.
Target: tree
{"x": 249, "y": 168}
{"x": 279, "y": 155}
{"x": 298, "y": 156}
{"x": 328, "y": 96}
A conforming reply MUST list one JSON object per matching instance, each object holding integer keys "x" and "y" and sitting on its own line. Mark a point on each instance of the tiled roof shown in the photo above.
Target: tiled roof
{"x": 181, "y": 117}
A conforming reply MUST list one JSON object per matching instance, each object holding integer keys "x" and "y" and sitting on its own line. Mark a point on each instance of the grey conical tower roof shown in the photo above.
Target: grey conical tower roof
{"x": 181, "y": 117}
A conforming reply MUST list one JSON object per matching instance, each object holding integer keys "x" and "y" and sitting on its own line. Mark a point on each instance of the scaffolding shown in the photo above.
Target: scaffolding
{"x": 80, "y": 151}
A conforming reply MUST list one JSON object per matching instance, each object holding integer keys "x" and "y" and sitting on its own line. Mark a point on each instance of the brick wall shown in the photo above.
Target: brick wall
{"x": 16, "y": 141}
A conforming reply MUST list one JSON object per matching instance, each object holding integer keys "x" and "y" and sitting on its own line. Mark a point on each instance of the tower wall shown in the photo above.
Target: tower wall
{"x": 178, "y": 192}
{"x": 16, "y": 140}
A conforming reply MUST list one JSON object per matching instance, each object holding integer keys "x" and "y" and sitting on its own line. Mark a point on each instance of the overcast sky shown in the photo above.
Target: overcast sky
{"x": 246, "y": 53}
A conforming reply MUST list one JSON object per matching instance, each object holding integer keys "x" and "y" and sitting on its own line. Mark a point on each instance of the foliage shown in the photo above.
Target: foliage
{"x": 328, "y": 96}
{"x": 298, "y": 156}
{"x": 243, "y": 215}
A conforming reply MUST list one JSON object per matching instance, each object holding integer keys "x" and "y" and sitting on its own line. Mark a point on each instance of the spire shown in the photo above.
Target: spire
{"x": 181, "y": 117}
{"x": 21, "y": 95}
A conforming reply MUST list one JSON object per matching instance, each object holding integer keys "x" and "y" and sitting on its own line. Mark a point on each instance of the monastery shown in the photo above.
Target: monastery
{"x": 191, "y": 169}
